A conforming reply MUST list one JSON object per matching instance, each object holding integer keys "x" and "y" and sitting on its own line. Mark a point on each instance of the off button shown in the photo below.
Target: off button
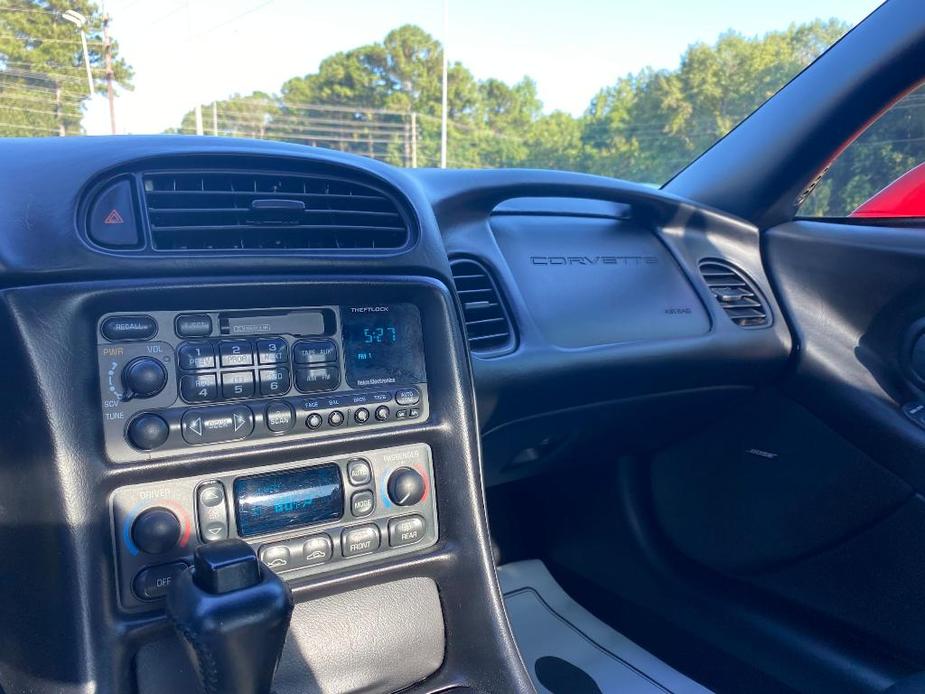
{"x": 152, "y": 583}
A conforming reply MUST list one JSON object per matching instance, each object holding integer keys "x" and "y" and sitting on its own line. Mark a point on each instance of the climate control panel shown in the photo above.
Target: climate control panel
{"x": 171, "y": 381}
{"x": 302, "y": 518}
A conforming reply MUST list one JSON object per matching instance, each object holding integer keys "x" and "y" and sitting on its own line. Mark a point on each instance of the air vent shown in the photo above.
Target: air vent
{"x": 232, "y": 211}
{"x": 736, "y": 294}
{"x": 487, "y": 322}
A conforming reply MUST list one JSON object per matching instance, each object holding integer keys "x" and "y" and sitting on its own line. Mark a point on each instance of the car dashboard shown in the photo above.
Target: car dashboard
{"x": 330, "y": 359}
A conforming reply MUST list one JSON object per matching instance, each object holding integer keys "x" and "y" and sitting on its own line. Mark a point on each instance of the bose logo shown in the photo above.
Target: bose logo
{"x": 623, "y": 260}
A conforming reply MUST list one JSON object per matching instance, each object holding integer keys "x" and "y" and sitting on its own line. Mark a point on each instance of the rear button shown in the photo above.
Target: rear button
{"x": 121, "y": 328}
{"x": 406, "y": 531}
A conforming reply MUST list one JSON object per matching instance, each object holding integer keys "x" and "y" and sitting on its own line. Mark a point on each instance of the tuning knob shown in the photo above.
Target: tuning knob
{"x": 156, "y": 530}
{"x": 144, "y": 377}
{"x": 406, "y": 487}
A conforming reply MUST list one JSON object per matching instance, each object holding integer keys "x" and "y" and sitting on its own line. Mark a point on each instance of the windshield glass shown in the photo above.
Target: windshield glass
{"x": 626, "y": 89}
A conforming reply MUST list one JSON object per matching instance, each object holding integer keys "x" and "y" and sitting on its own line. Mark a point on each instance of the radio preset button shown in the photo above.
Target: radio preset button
{"x": 148, "y": 431}
{"x": 280, "y": 417}
{"x": 316, "y": 550}
{"x": 314, "y": 420}
{"x": 362, "y": 503}
{"x": 408, "y": 396}
{"x": 216, "y": 424}
{"x": 237, "y": 384}
{"x": 152, "y": 583}
{"x": 406, "y": 531}
{"x": 199, "y": 388}
{"x": 361, "y": 415}
{"x": 274, "y": 381}
{"x": 235, "y": 353}
{"x": 313, "y": 352}
{"x": 360, "y": 540}
{"x": 336, "y": 418}
{"x": 276, "y": 557}
{"x": 193, "y": 325}
{"x": 382, "y": 413}
{"x": 196, "y": 356}
{"x": 273, "y": 351}
{"x": 317, "y": 379}
{"x": 126, "y": 328}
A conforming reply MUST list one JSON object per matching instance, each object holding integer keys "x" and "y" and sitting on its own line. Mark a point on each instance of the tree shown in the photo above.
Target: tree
{"x": 43, "y": 82}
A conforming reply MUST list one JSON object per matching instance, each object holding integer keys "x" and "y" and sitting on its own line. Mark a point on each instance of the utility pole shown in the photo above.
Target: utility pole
{"x": 59, "y": 111}
{"x": 215, "y": 118}
{"x": 414, "y": 140}
{"x": 107, "y": 51}
{"x": 446, "y": 24}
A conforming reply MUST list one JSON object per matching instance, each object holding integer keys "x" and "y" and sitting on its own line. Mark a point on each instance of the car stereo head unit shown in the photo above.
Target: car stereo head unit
{"x": 171, "y": 381}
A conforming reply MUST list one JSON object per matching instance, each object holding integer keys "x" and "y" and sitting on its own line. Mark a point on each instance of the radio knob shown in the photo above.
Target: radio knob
{"x": 148, "y": 431}
{"x": 406, "y": 487}
{"x": 144, "y": 377}
{"x": 156, "y": 530}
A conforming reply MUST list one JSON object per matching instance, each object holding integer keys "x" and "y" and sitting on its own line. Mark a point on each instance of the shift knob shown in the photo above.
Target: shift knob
{"x": 232, "y": 615}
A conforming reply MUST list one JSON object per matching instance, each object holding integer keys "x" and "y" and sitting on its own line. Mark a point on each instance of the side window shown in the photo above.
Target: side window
{"x": 881, "y": 174}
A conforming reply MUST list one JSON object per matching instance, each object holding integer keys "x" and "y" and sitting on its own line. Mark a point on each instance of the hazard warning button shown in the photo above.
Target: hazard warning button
{"x": 112, "y": 218}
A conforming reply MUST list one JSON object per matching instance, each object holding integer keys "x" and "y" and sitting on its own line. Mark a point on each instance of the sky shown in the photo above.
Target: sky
{"x": 189, "y": 51}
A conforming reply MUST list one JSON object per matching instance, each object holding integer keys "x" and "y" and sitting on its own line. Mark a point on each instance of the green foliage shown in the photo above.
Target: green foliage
{"x": 43, "y": 80}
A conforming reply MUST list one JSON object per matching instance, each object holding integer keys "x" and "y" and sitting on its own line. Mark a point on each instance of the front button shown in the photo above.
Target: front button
{"x": 316, "y": 550}
{"x": 237, "y": 384}
{"x": 152, "y": 583}
{"x": 361, "y": 503}
{"x": 406, "y": 531}
{"x": 199, "y": 388}
{"x": 274, "y": 381}
{"x": 236, "y": 353}
{"x": 123, "y": 328}
{"x": 273, "y": 351}
{"x": 361, "y": 540}
{"x": 317, "y": 379}
{"x": 215, "y": 424}
{"x": 358, "y": 472}
{"x": 196, "y": 356}
{"x": 408, "y": 396}
{"x": 280, "y": 417}
{"x": 276, "y": 557}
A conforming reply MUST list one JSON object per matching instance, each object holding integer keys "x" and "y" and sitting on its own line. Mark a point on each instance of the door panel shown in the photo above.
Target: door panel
{"x": 853, "y": 294}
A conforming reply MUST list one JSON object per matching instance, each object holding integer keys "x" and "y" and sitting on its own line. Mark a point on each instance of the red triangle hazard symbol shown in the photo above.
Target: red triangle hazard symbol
{"x": 114, "y": 218}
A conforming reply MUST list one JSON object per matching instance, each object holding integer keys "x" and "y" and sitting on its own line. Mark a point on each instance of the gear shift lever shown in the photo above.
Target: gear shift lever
{"x": 232, "y": 614}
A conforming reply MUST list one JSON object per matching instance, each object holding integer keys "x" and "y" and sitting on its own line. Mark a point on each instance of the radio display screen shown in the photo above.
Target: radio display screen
{"x": 383, "y": 345}
{"x": 288, "y": 499}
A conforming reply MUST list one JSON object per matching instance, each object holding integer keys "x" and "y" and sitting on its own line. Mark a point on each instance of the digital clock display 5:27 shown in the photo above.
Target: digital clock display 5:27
{"x": 383, "y": 347}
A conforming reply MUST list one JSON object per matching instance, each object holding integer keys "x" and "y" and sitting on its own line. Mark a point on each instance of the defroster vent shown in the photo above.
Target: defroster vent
{"x": 736, "y": 294}
{"x": 488, "y": 324}
{"x": 240, "y": 210}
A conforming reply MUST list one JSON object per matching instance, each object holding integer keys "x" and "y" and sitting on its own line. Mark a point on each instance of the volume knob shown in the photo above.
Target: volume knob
{"x": 144, "y": 377}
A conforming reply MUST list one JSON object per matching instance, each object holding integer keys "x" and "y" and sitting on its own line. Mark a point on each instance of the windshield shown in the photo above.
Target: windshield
{"x": 626, "y": 89}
